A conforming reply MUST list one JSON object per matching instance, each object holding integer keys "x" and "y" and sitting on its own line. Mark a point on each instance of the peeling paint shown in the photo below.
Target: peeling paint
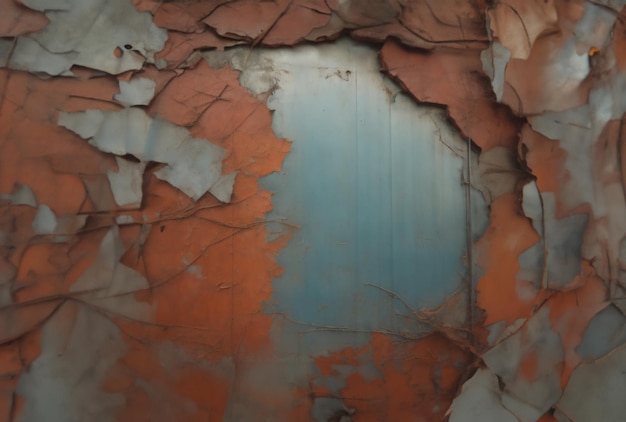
{"x": 99, "y": 28}
{"x": 137, "y": 91}
{"x": 440, "y": 234}
{"x": 194, "y": 165}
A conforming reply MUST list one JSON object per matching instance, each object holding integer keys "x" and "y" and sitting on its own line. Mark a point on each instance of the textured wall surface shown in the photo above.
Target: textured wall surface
{"x": 325, "y": 210}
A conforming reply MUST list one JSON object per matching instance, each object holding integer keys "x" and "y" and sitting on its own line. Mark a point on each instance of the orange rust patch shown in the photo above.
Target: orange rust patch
{"x": 451, "y": 78}
{"x": 209, "y": 393}
{"x": 295, "y": 25}
{"x": 545, "y": 157}
{"x": 572, "y": 311}
{"x": 508, "y": 235}
{"x": 619, "y": 41}
{"x": 429, "y": 368}
{"x": 529, "y": 365}
{"x": 209, "y": 264}
{"x": 17, "y": 19}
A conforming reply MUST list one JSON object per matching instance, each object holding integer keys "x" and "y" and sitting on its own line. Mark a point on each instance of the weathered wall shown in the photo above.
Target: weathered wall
{"x": 323, "y": 210}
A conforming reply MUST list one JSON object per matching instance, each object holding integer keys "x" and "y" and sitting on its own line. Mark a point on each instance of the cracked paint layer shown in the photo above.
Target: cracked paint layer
{"x": 441, "y": 234}
{"x": 111, "y": 36}
{"x": 193, "y": 165}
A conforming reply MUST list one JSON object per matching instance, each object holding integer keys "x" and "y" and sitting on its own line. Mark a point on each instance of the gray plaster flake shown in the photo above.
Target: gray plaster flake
{"x": 561, "y": 241}
{"x": 480, "y": 400}
{"x": 107, "y": 276}
{"x": 137, "y": 91}
{"x": 495, "y": 59}
{"x": 45, "y": 220}
{"x": 529, "y": 399}
{"x": 606, "y": 331}
{"x": 109, "y": 284}
{"x": 21, "y": 195}
{"x": 107, "y": 35}
{"x": 223, "y": 188}
{"x": 595, "y": 391}
{"x": 194, "y": 165}
{"x": 126, "y": 182}
{"x": 596, "y": 25}
{"x": 78, "y": 348}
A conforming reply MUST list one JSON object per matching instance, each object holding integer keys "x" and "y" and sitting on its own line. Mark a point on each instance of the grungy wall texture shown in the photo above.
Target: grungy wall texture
{"x": 325, "y": 210}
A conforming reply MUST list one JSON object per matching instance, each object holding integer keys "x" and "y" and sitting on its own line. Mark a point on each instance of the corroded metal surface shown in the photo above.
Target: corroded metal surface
{"x": 323, "y": 210}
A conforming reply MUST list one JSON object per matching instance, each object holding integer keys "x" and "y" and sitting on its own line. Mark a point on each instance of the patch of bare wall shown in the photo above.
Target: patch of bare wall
{"x": 139, "y": 250}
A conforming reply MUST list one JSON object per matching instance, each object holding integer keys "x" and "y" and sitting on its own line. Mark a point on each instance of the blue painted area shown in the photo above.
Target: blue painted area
{"x": 377, "y": 192}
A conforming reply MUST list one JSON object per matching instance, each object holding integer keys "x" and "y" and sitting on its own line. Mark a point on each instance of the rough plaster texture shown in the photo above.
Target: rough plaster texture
{"x": 149, "y": 267}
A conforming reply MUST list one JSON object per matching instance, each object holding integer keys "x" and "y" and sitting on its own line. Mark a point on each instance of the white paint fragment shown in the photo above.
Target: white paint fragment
{"x": 194, "y": 165}
{"x": 21, "y": 195}
{"x": 137, "y": 91}
{"x": 591, "y": 173}
{"x": 532, "y": 205}
{"x": 480, "y": 400}
{"x": 107, "y": 276}
{"x": 110, "y": 284}
{"x": 24, "y": 196}
{"x": 529, "y": 398}
{"x": 595, "y": 391}
{"x": 494, "y": 60}
{"x": 88, "y": 33}
{"x": 570, "y": 68}
{"x": 596, "y": 26}
{"x": 30, "y": 56}
{"x": 124, "y": 219}
{"x": 607, "y": 101}
{"x": 126, "y": 182}
{"x": 45, "y": 221}
{"x": 223, "y": 188}
{"x": 79, "y": 347}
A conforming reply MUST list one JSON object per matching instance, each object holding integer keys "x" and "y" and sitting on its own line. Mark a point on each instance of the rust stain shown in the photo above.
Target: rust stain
{"x": 193, "y": 339}
{"x": 570, "y": 314}
{"x": 508, "y": 235}
{"x": 429, "y": 368}
{"x": 18, "y": 19}
{"x": 454, "y": 79}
